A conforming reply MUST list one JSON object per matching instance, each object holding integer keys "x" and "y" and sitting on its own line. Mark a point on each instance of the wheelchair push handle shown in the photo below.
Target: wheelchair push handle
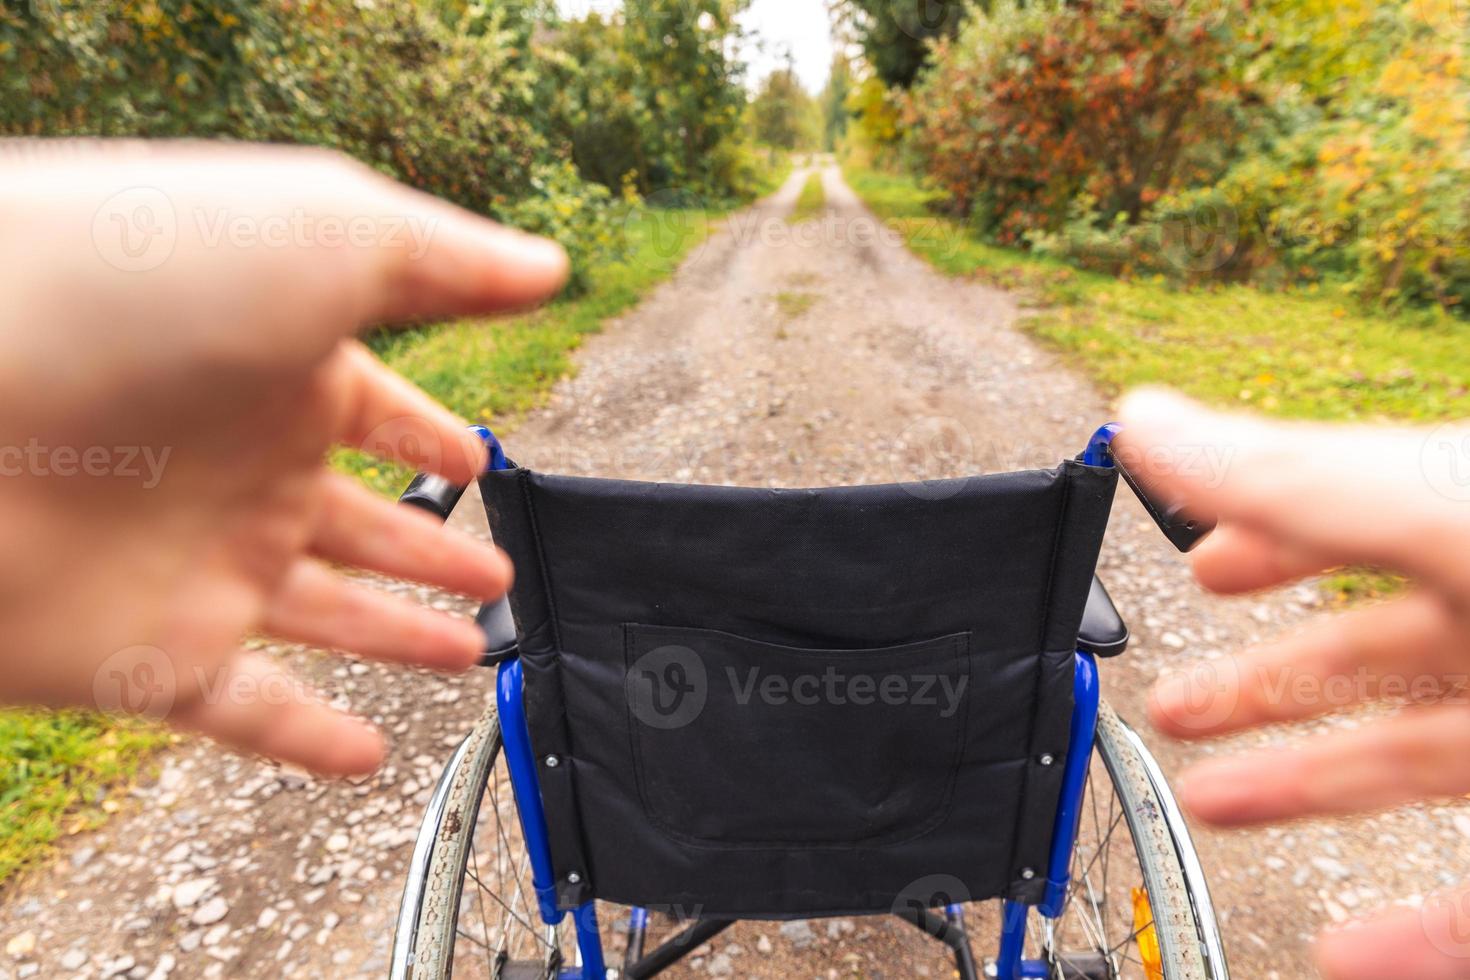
{"x": 1184, "y": 528}
{"x": 432, "y": 493}
{"x": 438, "y": 496}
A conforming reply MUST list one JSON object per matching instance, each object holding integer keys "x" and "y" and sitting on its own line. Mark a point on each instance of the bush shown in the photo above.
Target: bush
{"x": 1270, "y": 141}
{"x": 575, "y": 212}
{"x": 1036, "y": 104}
{"x": 448, "y": 110}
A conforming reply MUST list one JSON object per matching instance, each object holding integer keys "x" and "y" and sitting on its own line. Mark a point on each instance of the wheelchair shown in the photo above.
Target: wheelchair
{"x": 717, "y": 704}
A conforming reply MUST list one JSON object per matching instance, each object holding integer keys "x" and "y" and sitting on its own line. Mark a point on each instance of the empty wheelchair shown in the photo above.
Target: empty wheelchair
{"x": 718, "y": 704}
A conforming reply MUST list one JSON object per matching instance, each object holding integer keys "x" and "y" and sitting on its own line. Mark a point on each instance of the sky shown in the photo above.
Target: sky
{"x": 801, "y": 26}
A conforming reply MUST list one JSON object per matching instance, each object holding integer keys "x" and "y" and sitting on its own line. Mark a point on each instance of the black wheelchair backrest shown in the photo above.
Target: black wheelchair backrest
{"x": 769, "y": 703}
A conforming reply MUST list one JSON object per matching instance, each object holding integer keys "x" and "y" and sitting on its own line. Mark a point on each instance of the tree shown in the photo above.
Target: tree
{"x": 687, "y": 83}
{"x": 782, "y": 114}
{"x": 896, "y": 34}
{"x": 833, "y": 102}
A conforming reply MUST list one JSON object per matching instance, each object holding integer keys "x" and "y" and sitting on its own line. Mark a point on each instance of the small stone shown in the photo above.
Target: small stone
{"x": 73, "y": 959}
{"x": 763, "y": 945}
{"x": 268, "y": 917}
{"x": 799, "y": 933}
{"x": 118, "y": 966}
{"x": 21, "y": 945}
{"x": 188, "y": 893}
{"x": 210, "y": 912}
{"x": 720, "y": 966}
{"x": 338, "y": 842}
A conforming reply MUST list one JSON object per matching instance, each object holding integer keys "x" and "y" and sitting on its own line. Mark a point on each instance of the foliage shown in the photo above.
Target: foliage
{"x": 481, "y": 103}
{"x": 1033, "y": 106}
{"x": 1275, "y": 142}
{"x": 1359, "y": 171}
{"x": 382, "y": 82}
{"x": 875, "y": 120}
{"x": 895, "y": 36}
{"x": 833, "y": 102}
{"x": 651, "y": 97}
{"x": 782, "y": 114}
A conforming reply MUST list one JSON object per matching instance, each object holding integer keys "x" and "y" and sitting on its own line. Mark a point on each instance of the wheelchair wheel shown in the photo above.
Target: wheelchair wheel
{"x": 1138, "y": 908}
{"x": 469, "y": 907}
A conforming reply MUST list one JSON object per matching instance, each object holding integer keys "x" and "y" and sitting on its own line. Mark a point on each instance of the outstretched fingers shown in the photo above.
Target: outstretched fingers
{"x": 256, "y": 706}
{"x": 1407, "y": 650}
{"x": 1421, "y": 752}
{"x": 318, "y": 607}
{"x": 361, "y": 529}
{"x": 389, "y": 417}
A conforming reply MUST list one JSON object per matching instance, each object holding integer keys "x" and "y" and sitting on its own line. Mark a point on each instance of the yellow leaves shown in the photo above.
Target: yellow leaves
{"x": 1401, "y": 78}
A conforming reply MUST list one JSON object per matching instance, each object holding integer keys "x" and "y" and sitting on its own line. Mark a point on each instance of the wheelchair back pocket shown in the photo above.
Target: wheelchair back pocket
{"x": 868, "y": 743}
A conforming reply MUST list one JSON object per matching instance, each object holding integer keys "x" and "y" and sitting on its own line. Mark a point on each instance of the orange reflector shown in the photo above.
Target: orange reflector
{"x": 1148, "y": 940}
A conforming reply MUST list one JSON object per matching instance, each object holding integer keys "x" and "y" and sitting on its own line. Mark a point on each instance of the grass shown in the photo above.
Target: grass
{"x": 792, "y": 304}
{"x": 56, "y": 773}
{"x": 61, "y": 773}
{"x": 1304, "y": 354}
{"x": 812, "y": 200}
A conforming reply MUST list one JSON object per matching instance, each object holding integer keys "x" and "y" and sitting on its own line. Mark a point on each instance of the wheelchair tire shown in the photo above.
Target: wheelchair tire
{"x": 1189, "y": 945}
{"x": 429, "y": 919}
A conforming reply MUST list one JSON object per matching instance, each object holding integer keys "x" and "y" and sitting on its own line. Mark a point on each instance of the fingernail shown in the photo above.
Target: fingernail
{"x": 1171, "y": 696}
{"x": 548, "y": 254}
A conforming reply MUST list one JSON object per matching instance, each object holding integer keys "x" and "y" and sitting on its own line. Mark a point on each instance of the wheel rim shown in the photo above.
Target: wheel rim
{"x": 1101, "y": 933}
{"x": 498, "y": 932}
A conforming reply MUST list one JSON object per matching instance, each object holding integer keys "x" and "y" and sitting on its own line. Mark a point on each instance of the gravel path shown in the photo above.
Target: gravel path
{"x": 820, "y": 354}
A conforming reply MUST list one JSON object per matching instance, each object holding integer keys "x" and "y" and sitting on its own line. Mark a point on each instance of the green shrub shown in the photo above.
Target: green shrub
{"x": 1267, "y": 141}
{"x": 450, "y": 109}
{"x": 1036, "y": 104}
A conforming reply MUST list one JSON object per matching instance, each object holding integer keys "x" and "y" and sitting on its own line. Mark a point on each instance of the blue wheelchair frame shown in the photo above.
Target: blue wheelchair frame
{"x": 1010, "y": 962}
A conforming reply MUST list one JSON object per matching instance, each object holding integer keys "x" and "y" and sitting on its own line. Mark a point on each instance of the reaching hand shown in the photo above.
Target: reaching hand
{"x": 175, "y": 361}
{"x": 1295, "y": 500}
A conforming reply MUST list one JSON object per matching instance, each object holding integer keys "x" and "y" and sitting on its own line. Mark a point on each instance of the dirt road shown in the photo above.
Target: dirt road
{"x": 819, "y": 354}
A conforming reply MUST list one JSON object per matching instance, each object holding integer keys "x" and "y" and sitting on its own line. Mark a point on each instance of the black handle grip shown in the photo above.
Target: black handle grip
{"x": 432, "y": 493}
{"x": 1182, "y": 527}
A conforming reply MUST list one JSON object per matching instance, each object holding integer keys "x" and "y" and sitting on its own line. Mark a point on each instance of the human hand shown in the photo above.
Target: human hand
{"x": 1295, "y": 500}
{"x": 175, "y": 361}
